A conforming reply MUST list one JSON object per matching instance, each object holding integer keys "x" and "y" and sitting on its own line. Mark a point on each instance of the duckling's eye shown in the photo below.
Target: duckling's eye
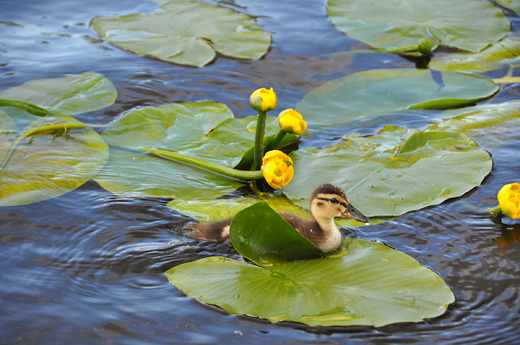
{"x": 334, "y": 201}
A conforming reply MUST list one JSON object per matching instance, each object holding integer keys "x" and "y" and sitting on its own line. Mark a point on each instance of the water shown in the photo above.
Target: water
{"x": 88, "y": 267}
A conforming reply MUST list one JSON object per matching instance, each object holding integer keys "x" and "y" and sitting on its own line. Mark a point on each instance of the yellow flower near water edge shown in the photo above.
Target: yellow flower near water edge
{"x": 277, "y": 168}
{"x": 292, "y": 122}
{"x": 509, "y": 200}
{"x": 263, "y": 100}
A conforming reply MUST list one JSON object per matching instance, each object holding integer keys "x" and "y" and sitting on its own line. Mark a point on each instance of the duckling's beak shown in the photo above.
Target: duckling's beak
{"x": 352, "y": 212}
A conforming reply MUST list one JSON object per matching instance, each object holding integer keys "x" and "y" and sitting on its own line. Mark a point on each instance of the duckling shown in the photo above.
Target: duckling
{"x": 327, "y": 202}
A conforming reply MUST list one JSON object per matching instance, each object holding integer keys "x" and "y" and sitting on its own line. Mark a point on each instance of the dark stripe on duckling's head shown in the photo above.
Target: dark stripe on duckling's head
{"x": 329, "y": 189}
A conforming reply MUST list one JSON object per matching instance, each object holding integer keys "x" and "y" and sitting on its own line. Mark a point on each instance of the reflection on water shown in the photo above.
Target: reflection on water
{"x": 88, "y": 266}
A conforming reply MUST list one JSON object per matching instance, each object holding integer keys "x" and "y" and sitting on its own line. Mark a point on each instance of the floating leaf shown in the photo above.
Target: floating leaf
{"x": 400, "y": 26}
{"x": 209, "y": 210}
{"x": 374, "y": 92}
{"x": 261, "y": 235}
{"x": 204, "y": 130}
{"x": 481, "y": 120}
{"x": 362, "y": 284}
{"x": 394, "y": 172}
{"x": 496, "y": 56}
{"x": 52, "y": 162}
{"x": 175, "y": 34}
{"x": 513, "y": 5}
{"x": 69, "y": 95}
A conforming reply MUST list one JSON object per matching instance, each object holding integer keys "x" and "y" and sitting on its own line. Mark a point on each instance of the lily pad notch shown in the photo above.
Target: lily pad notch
{"x": 186, "y": 33}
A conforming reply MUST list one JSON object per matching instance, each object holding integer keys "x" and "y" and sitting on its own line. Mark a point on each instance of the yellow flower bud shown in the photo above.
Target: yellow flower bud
{"x": 263, "y": 100}
{"x": 292, "y": 122}
{"x": 277, "y": 168}
{"x": 509, "y": 200}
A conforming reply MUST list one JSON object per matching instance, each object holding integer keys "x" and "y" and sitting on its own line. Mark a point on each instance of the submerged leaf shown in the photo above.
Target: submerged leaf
{"x": 362, "y": 284}
{"x": 48, "y": 164}
{"x": 394, "y": 172}
{"x": 186, "y": 33}
{"x": 374, "y": 92}
{"x": 69, "y": 95}
{"x": 400, "y": 26}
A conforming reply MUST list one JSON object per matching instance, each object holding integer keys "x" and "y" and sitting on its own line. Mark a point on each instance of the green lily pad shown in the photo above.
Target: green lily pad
{"x": 361, "y": 284}
{"x": 494, "y": 57}
{"x": 48, "y": 164}
{"x": 374, "y": 92}
{"x": 69, "y": 95}
{"x": 204, "y": 130}
{"x": 261, "y": 235}
{"x": 174, "y": 33}
{"x": 134, "y": 174}
{"x": 394, "y": 172}
{"x": 482, "y": 121}
{"x": 210, "y": 210}
{"x": 513, "y": 5}
{"x": 469, "y": 25}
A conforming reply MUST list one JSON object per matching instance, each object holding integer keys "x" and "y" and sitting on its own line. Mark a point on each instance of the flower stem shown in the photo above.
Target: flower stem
{"x": 57, "y": 126}
{"x": 496, "y": 209}
{"x": 199, "y": 163}
{"x": 277, "y": 139}
{"x": 259, "y": 140}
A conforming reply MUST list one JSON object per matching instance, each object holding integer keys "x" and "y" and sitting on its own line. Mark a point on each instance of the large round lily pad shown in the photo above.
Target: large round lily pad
{"x": 69, "y": 95}
{"x": 204, "y": 130}
{"x": 469, "y": 25}
{"x": 394, "y": 172}
{"x": 362, "y": 284}
{"x": 186, "y": 33}
{"x": 385, "y": 91}
{"x": 47, "y": 164}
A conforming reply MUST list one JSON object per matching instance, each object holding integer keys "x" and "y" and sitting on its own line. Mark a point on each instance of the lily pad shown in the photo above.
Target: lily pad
{"x": 496, "y": 56}
{"x": 513, "y": 5}
{"x": 361, "y": 284}
{"x": 489, "y": 124}
{"x": 394, "y": 172}
{"x": 261, "y": 235}
{"x": 374, "y": 92}
{"x": 399, "y": 26}
{"x": 69, "y": 95}
{"x": 47, "y": 164}
{"x": 174, "y": 33}
{"x": 204, "y": 130}
{"x": 210, "y": 210}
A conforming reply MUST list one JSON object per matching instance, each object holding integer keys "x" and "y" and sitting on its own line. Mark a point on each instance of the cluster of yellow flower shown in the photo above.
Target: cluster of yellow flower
{"x": 277, "y": 167}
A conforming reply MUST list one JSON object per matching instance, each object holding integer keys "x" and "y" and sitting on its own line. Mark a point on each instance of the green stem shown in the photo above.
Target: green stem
{"x": 38, "y": 130}
{"x": 496, "y": 209}
{"x": 278, "y": 139}
{"x": 28, "y": 107}
{"x": 199, "y": 163}
{"x": 259, "y": 140}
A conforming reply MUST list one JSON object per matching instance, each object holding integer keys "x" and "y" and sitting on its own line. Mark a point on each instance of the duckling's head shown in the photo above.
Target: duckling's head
{"x": 329, "y": 201}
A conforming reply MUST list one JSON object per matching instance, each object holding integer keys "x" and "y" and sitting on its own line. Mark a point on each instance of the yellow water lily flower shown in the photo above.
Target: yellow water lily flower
{"x": 509, "y": 200}
{"x": 277, "y": 168}
{"x": 292, "y": 121}
{"x": 263, "y": 100}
